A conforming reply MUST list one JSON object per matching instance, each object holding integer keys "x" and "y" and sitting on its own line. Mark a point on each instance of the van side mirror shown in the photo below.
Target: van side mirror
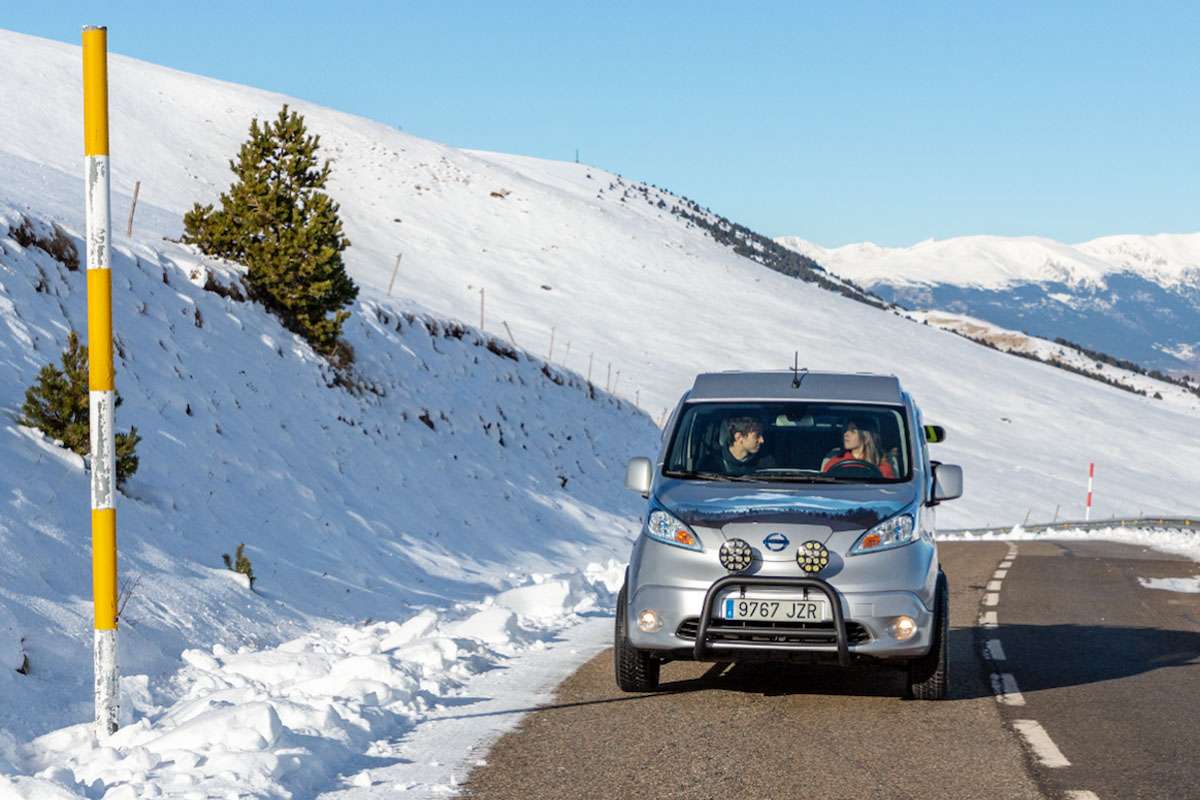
{"x": 935, "y": 434}
{"x": 947, "y": 482}
{"x": 639, "y": 474}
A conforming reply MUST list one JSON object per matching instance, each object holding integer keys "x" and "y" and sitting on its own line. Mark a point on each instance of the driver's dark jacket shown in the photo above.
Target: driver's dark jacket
{"x": 724, "y": 463}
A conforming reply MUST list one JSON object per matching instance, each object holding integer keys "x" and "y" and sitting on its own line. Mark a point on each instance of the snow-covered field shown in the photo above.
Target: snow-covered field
{"x": 434, "y": 550}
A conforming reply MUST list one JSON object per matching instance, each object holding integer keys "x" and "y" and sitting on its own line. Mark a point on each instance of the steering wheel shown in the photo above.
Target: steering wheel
{"x": 854, "y": 468}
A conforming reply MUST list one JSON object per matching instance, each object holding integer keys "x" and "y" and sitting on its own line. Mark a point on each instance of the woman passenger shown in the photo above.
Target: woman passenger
{"x": 860, "y": 442}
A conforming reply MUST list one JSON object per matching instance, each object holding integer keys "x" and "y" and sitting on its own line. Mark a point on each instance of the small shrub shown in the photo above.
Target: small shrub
{"x": 342, "y": 354}
{"x": 124, "y": 592}
{"x": 499, "y": 348}
{"x": 61, "y": 248}
{"x": 58, "y": 245}
{"x": 230, "y": 290}
{"x": 23, "y": 233}
{"x": 239, "y": 563}
{"x": 57, "y": 405}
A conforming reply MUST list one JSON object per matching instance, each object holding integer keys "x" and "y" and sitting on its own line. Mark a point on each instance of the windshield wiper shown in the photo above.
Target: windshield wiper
{"x": 795, "y": 476}
{"x": 708, "y": 476}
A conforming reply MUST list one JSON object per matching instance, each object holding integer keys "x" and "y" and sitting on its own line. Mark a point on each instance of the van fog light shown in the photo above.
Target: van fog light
{"x": 902, "y": 628}
{"x": 812, "y": 557}
{"x": 650, "y": 621}
{"x": 735, "y": 555}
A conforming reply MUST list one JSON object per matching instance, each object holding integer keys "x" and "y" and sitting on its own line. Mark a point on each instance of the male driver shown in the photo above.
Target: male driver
{"x": 744, "y": 439}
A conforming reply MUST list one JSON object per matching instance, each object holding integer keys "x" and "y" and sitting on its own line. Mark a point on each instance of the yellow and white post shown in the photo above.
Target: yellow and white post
{"x": 100, "y": 377}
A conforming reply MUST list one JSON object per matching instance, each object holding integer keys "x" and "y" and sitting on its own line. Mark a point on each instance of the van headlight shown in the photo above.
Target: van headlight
{"x": 895, "y": 532}
{"x": 666, "y": 528}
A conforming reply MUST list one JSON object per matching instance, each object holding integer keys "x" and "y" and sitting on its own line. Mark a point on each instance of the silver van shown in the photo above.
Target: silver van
{"x": 790, "y": 517}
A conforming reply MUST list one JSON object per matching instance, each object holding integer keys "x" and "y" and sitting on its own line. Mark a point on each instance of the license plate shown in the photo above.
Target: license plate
{"x": 765, "y": 610}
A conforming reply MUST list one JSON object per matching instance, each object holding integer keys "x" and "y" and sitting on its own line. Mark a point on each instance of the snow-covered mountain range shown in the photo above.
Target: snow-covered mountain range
{"x": 449, "y": 535}
{"x": 1133, "y": 297}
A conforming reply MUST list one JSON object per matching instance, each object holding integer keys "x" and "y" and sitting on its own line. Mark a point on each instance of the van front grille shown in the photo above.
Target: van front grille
{"x": 773, "y": 632}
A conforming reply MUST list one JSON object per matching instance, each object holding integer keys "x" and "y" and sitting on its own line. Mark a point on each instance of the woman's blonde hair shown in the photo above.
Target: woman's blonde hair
{"x": 872, "y": 452}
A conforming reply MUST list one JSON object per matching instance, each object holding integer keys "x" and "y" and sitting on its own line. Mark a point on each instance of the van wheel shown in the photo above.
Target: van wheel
{"x": 637, "y": 670}
{"x": 927, "y": 675}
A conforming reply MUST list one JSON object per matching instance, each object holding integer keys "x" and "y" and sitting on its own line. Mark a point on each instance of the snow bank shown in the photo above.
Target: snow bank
{"x": 283, "y": 720}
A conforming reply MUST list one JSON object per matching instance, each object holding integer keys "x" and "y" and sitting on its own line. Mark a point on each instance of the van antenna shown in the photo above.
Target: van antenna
{"x": 796, "y": 371}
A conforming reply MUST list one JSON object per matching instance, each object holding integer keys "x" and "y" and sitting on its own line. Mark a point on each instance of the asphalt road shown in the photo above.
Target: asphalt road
{"x": 1105, "y": 669}
{"x": 1109, "y": 668}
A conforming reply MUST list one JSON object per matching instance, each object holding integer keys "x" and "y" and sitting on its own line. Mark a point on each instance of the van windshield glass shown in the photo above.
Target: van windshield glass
{"x": 791, "y": 442}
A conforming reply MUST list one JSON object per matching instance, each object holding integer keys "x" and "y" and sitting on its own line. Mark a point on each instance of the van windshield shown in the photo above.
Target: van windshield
{"x": 791, "y": 442}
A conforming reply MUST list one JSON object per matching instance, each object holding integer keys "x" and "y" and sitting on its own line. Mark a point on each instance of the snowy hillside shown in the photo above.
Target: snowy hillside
{"x": 1134, "y": 297}
{"x": 1179, "y": 394}
{"x": 463, "y": 510}
{"x": 460, "y": 469}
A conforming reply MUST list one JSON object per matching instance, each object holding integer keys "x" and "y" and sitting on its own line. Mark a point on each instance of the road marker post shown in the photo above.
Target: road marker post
{"x": 1087, "y": 512}
{"x": 100, "y": 377}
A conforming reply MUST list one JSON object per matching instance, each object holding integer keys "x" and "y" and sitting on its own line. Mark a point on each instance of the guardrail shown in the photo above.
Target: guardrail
{"x": 1154, "y": 523}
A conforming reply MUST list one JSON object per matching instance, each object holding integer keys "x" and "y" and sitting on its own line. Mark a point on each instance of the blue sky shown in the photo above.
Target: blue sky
{"x": 835, "y": 121}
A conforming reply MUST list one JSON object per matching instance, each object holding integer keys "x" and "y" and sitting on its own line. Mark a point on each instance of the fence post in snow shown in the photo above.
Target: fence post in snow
{"x": 566, "y": 354}
{"x": 481, "y": 311}
{"x": 589, "y": 377}
{"x": 97, "y": 211}
{"x": 132, "y": 207}
{"x": 550, "y": 355}
{"x": 392, "y": 283}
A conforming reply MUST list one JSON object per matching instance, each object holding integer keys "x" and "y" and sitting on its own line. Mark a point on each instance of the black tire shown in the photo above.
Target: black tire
{"x": 928, "y": 677}
{"x": 637, "y": 670}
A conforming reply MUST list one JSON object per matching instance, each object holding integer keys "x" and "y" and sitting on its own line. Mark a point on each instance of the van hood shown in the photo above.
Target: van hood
{"x": 835, "y": 506}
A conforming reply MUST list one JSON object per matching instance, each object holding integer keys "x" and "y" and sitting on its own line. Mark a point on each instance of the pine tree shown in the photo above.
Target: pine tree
{"x": 57, "y": 405}
{"x": 275, "y": 220}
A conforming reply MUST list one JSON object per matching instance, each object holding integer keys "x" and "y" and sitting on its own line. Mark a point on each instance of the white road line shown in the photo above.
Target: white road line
{"x": 994, "y": 586}
{"x": 994, "y": 650}
{"x": 1000, "y": 574}
{"x": 1040, "y": 743}
{"x": 1005, "y": 564}
{"x": 1004, "y": 686}
{"x": 988, "y": 620}
{"x": 991, "y": 598}
{"x": 1082, "y": 794}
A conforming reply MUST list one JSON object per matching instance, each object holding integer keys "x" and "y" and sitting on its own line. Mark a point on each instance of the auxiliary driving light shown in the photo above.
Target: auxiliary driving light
{"x": 735, "y": 555}
{"x": 650, "y": 621}
{"x": 812, "y": 557}
{"x": 902, "y": 628}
